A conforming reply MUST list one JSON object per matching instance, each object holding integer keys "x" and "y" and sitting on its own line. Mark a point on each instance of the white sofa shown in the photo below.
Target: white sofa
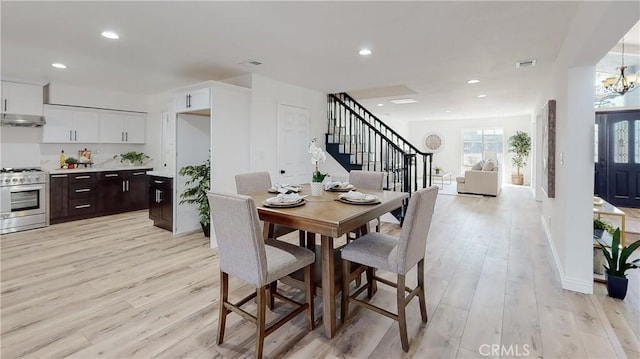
{"x": 486, "y": 183}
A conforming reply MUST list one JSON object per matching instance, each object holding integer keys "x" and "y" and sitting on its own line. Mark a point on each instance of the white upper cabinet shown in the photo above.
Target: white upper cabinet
{"x": 194, "y": 101}
{"x": 21, "y": 99}
{"x": 68, "y": 125}
{"x": 122, "y": 128}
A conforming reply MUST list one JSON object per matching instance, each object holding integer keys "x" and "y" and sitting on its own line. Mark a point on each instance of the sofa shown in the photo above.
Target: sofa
{"x": 485, "y": 181}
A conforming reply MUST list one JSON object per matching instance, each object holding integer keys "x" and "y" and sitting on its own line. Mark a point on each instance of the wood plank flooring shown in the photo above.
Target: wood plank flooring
{"x": 117, "y": 287}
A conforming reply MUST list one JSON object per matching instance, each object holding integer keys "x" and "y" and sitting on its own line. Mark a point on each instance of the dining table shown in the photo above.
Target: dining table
{"x": 329, "y": 218}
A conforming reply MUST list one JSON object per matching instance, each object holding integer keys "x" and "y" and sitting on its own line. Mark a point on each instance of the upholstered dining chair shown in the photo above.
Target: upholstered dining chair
{"x": 371, "y": 180}
{"x": 396, "y": 255}
{"x": 245, "y": 254}
{"x": 248, "y": 183}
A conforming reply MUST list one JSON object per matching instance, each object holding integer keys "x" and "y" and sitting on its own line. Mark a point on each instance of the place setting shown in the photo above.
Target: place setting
{"x": 338, "y": 187}
{"x": 285, "y": 188}
{"x": 355, "y": 197}
{"x": 285, "y": 200}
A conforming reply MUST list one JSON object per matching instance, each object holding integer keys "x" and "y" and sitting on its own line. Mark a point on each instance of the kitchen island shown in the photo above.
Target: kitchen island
{"x": 81, "y": 193}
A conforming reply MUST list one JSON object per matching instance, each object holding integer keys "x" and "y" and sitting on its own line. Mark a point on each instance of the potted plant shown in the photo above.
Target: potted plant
{"x": 71, "y": 162}
{"x": 520, "y": 145}
{"x": 132, "y": 157}
{"x": 599, "y": 226}
{"x": 617, "y": 259}
{"x": 199, "y": 180}
{"x": 317, "y": 155}
{"x": 437, "y": 169}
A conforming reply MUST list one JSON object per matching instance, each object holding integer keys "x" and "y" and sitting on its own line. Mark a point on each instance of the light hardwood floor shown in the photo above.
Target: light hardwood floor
{"x": 118, "y": 287}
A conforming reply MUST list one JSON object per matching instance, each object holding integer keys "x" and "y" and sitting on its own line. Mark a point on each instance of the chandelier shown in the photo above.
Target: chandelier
{"x": 621, "y": 84}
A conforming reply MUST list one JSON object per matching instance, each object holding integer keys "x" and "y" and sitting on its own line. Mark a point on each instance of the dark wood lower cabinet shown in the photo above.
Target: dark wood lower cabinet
{"x": 161, "y": 202}
{"x": 82, "y": 195}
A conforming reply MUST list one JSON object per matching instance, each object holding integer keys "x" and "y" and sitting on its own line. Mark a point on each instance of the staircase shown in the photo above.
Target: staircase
{"x": 358, "y": 140}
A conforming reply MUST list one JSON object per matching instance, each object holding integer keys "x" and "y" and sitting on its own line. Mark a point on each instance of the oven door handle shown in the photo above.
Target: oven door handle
{"x": 22, "y": 188}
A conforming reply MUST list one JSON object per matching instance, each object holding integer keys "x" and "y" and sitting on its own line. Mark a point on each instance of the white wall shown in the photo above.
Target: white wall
{"x": 450, "y": 157}
{"x": 265, "y": 96}
{"x": 567, "y": 217}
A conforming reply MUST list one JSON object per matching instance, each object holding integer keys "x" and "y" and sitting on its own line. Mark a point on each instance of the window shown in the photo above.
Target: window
{"x": 482, "y": 144}
{"x": 595, "y": 143}
{"x": 621, "y": 140}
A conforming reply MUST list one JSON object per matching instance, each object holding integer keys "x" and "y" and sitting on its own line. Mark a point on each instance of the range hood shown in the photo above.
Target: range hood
{"x": 9, "y": 119}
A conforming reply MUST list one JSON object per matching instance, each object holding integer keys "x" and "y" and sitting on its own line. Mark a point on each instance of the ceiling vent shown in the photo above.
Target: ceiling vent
{"x": 251, "y": 63}
{"x": 525, "y": 63}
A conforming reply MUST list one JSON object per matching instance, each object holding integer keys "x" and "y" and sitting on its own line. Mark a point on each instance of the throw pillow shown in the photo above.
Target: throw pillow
{"x": 488, "y": 166}
{"x": 477, "y": 166}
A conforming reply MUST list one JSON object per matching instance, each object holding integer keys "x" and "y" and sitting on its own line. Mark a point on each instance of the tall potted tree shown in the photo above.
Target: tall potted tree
{"x": 199, "y": 180}
{"x": 520, "y": 146}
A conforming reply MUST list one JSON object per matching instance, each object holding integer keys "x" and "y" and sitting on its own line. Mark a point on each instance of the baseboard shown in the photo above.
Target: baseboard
{"x": 572, "y": 284}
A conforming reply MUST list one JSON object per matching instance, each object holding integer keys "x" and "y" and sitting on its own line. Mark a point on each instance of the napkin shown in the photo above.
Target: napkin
{"x": 285, "y": 198}
{"x": 358, "y": 196}
{"x": 337, "y": 184}
{"x": 285, "y": 188}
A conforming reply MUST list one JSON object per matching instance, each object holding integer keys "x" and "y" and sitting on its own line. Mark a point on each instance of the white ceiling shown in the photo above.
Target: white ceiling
{"x": 432, "y": 48}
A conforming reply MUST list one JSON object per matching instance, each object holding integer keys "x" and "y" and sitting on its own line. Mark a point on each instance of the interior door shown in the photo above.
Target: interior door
{"x": 294, "y": 162}
{"x": 618, "y": 170}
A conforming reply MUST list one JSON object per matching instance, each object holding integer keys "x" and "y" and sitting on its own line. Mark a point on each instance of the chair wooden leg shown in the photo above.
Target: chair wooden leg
{"x": 344, "y": 303}
{"x": 301, "y": 238}
{"x": 224, "y": 297}
{"x": 370, "y": 273}
{"x": 421, "y": 292}
{"x": 308, "y": 294}
{"x": 261, "y": 296}
{"x": 273, "y": 289}
{"x": 402, "y": 319}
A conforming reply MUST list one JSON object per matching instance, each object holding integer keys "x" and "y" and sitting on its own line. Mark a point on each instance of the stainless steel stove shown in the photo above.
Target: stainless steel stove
{"x": 24, "y": 200}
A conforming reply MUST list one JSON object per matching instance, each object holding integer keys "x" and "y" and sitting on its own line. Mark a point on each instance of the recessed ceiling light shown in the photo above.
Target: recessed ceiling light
{"x": 110, "y": 35}
{"x": 58, "y": 65}
{"x": 482, "y": 96}
{"x": 447, "y": 111}
{"x": 401, "y": 101}
{"x": 380, "y": 105}
{"x": 473, "y": 81}
{"x": 365, "y": 52}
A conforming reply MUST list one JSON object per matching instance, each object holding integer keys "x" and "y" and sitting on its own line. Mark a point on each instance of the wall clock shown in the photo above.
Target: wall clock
{"x": 433, "y": 142}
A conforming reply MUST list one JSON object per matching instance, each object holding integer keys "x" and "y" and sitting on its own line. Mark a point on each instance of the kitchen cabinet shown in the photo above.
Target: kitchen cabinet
{"x": 78, "y": 195}
{"x": 21, "y": 99}
{"x": 120, "y": 191}
{"x": 193, "y": 101}
{"x": 67, "y": 125}
{"x": 58, "y": 197}
{"x": 122, "y": 128}
{"x": 161, "y": 202}
{"x": 71, "y": 196}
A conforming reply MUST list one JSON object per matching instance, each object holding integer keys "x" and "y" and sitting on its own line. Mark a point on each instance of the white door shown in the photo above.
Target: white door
{"x": 294, "y": 162}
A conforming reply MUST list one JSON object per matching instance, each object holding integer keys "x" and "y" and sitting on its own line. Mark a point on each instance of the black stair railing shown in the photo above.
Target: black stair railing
{"x": 365, "y": 142}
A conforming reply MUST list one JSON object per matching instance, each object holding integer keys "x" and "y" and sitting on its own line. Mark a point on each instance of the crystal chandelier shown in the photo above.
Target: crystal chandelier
{"x": 621, "y": 84}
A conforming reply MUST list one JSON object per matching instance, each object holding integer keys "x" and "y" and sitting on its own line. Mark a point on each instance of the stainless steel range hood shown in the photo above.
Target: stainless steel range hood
{"x": 9, "y": 119}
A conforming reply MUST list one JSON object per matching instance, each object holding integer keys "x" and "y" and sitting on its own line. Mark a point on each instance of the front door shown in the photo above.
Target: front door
{"x": 617, "y": 170}
{"x": 294, "y": 164}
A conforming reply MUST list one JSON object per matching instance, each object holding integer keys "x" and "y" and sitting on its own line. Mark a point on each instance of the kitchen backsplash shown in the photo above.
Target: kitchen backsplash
{"x": 22, "y": 147}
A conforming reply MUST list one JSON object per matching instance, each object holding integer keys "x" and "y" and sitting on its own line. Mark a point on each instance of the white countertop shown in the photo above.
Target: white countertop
{"x": 166, "y": 174}
{"x": 99, "y": 169}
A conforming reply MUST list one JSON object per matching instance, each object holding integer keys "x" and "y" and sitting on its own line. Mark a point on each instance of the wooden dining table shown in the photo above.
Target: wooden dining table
{"x": 330, "y": 218}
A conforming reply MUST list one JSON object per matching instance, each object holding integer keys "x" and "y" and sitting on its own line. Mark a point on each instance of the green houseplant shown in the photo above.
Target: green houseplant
{"x": 132, "y": 157}
{"x": 71, "y": 162}
{"x": 599, "y": 226}
{"x": 618, "y": 262}
{"x": 520, "y": 146}
{"x": 196, "y": 191}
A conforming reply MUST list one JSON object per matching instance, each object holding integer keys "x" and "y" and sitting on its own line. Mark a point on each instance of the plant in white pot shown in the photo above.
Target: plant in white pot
{"x": 618, "y": 262}
{"x": 520, "y": 146}
{"x": 317, "y": 155}
{"x": 132, "y": 157}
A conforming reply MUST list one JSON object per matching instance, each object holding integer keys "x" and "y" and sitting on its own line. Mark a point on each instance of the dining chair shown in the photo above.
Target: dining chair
{"x": 396, "y": 255}
{"x": 371, "y": 180}
{"x": 246, "y": 255}
{"x": 248, "y": 183}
